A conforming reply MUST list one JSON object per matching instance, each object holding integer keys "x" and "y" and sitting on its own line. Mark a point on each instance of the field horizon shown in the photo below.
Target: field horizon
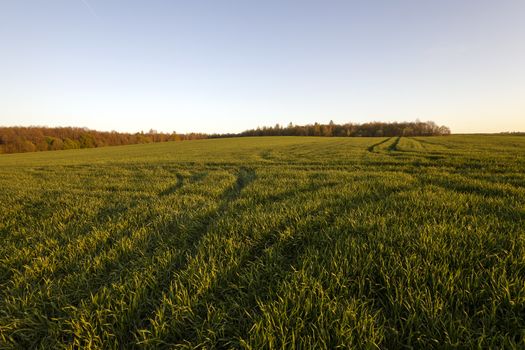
{"x": 266, "y": 242}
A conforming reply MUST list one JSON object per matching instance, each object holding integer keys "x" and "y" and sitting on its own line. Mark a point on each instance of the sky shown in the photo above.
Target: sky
{"x": 226, "y": 66}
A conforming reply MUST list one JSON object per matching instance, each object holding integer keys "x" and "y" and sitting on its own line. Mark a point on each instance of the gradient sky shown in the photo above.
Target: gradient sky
{"x": 226, "y": 66}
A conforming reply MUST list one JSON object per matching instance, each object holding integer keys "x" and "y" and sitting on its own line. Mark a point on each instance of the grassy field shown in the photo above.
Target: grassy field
{"x": 276, "y": 242}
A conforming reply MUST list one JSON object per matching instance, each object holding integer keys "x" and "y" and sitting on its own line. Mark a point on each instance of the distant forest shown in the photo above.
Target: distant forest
{"x": 31, "y": 139}
{"x": 373, "y": 129}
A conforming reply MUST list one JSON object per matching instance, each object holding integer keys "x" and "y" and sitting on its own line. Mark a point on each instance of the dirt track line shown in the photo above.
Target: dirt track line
{"x": 393, "y": 146}
{"x": 372, "y": 148}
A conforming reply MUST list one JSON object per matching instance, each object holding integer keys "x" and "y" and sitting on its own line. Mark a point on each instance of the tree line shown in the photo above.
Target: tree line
{"x": 373, "y": 129}
{"x": 30, "y": 139}
{"x": 513, "y": 133}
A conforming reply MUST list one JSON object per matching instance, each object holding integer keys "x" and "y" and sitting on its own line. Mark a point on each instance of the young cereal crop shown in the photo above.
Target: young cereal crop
{"x": 273, "y": 242}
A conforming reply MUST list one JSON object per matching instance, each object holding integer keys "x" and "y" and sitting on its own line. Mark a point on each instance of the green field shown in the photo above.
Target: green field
{"x": 275, "y": 242}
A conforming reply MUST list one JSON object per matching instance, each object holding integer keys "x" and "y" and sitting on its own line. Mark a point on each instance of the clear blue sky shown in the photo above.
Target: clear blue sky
{"x": 220, "y": 66}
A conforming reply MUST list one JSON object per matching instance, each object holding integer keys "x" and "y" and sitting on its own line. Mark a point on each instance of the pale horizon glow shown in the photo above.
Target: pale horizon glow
{"x": 227, "y": 66}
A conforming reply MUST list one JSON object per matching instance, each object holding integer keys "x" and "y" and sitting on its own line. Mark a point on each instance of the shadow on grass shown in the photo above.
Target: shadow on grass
{"x": 172, "y": 189}
{"x": 373, "y": 147}
{"x": 233, "y": 298}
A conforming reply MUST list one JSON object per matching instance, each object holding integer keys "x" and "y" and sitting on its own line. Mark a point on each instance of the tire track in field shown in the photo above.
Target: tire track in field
{"x": 245, "y": 176}
{"x": 415, "y": 149}
{"x": 159, "y": 283}
{"x": 438, "y": 146}
{"x": 373, "y": 147}
{"x": 205, "y": 219}
{"x": 104, "y": 280}
{"x": 174, "y": 188}
{"x": 180, "y": 179}
{"x": 393, "y": 146}
{"x": 272, "y": 257}
{"x": 147, "y": 296}
{"x": 400, "y": 147}
{"x": 288, "y": 248}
